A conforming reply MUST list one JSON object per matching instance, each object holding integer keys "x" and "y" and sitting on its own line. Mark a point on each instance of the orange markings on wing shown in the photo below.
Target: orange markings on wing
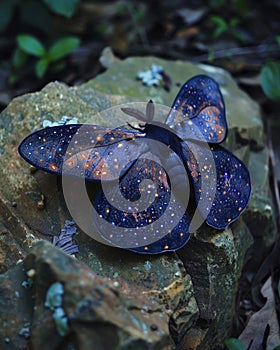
{"x": 71, "y": 163}
{"x": 194, "y": 173}
{"x": 82, "y": 159}
{"x": 101, "y": 171}
{"x": 213, "y": 120}
{"x": 162, "y": 177}
{"x": 53, "y": 167}
{"x": 192, "y": 165}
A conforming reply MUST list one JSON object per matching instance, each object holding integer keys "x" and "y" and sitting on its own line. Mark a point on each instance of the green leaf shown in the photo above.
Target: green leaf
{"x": 13, "y": 78}
{"x": 41, "y": 67}
{"x": 222, "y": 26}
{"x": 270, "y": 80}
{"x": 233, "y": 22}
{"x": 234, "y": 344}
{"x": 211, "y": 56}
{"x": 29, "y": 44}
{"x": 19, "y": 58}
{"x": 219, "y": 21}
{"x": 63, "y": 47}
{"x": 278, "y": 39}
{"x": 65, "y": 8}
{"x": 277, "y": 348}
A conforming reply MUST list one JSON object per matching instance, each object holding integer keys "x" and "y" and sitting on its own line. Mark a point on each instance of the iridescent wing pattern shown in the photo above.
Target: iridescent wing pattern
{"x": 146, "y": 216}
{"x": 198, "y": 111}
{"x": 79, "y": 149}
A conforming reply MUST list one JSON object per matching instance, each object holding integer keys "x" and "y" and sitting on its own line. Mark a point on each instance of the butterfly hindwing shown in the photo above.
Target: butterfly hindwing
{"x": 198, "y": 111}
{"x": 221, "y": 183}
{"x": 233, "y": 188}
{"x": 146, "y": 223}
{"x": 172, "y": 241}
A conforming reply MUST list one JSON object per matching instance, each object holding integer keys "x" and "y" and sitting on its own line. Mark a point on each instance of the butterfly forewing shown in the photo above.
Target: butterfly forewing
{"x": 45, "y": 148}
{"x": 78, "y": 150}
{"x": 198, "y": 111}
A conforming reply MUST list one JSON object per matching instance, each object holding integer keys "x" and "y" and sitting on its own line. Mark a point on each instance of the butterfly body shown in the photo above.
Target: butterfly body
{"x": 168, "y": 165}
{"x": 162, "y": 133}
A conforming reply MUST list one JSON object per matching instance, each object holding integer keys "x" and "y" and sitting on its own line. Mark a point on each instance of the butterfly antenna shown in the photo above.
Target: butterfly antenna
{"x": 135, "y": 113}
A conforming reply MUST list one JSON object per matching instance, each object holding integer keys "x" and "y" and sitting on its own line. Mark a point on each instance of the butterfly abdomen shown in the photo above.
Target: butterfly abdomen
{"x": 168, "y": 149}
{"x": 178, "y": 177}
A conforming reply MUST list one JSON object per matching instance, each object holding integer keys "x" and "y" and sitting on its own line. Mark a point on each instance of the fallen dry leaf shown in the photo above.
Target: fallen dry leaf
{"x": 257, "y": 324}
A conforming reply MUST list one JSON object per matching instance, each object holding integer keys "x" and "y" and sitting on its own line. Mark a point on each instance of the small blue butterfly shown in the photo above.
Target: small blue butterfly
{"x": 218, "y": 182}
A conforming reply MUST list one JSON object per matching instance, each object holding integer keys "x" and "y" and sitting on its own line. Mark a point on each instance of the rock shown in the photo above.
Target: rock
{"x": 212, "y": 259}
{"x": 193, "y": 285}
{"x": 99, "y": 312}
{"x": 15, "y": 309}
{"x": 261, "y": 216}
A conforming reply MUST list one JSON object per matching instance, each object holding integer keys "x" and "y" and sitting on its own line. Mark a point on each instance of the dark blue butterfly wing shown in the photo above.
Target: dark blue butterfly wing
{"x": 171, "y": 242}
{"x": 149, "y": 221}
{"x": 198, "y": 111}
{"x": 79, "y": 150}
{"x": 233, "y": 188}
{"x": 221, "y": 183}
{"x": 46, "y": 148}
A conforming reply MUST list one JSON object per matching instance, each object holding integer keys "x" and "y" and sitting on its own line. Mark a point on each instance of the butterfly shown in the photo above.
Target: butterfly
{"x": 160, "y": 181}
